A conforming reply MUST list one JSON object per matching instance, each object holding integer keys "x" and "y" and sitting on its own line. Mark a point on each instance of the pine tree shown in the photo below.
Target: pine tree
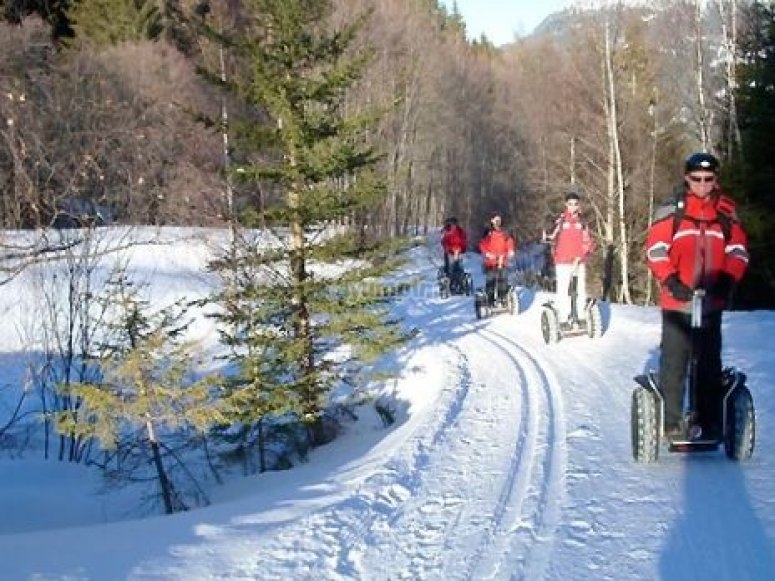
{"x": 145, "y": 381}
{"x": 111, "y": 22}
{"x": 298, "y": 328}
{"x": 751, "y": 178}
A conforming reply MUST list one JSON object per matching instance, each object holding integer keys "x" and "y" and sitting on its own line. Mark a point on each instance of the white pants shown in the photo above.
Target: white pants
{"x": 564, "y": 273}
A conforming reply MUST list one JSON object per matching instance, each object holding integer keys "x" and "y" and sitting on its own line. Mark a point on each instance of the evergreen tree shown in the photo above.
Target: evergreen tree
{"x": 145, "y": 382}
{"x": 752, "y": 177}
{"x": 111, "y": 22}
{"x": 297, "y": 314}
{"x": 54, "y": 12}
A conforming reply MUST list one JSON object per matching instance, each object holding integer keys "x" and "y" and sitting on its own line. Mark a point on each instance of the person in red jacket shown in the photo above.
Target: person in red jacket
{"x": 573, "y": 245}
{"x": 695, "y": 242}
{"x": 454, "y": 241}
{"x": 497, "y": 248}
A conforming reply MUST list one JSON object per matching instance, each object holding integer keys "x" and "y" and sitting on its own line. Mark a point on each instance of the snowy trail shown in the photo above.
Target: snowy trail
{"x": 539, "y": 489}
{"x": 504, "y": 484}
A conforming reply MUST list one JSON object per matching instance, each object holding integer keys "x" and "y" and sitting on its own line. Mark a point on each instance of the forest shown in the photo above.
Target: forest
{"x": 108, "y": 102}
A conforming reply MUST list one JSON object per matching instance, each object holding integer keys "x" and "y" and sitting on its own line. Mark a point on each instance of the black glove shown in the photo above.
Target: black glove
{"x": 678, "y": 289}
{"x": 723, "y": 287}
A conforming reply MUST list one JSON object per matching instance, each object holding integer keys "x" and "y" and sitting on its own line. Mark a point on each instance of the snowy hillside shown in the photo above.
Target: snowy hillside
{"x": 510, "y": 459}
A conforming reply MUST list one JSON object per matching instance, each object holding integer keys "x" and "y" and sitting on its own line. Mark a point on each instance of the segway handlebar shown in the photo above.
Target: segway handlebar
{"x": 697, "y": 299}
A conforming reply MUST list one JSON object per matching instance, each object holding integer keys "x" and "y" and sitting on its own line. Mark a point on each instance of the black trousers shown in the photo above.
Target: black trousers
{"x": 452, "y": 265}
{"x": 674, "y": 366}
{"x": 496, "y": 277}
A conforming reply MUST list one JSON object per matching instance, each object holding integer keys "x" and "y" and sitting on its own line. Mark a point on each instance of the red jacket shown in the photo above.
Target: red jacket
{"x": 571, "y": 239}
{"x": 454, "y": 239}
{"x": 697, "y": 251}
{"x": 496, "y": 248}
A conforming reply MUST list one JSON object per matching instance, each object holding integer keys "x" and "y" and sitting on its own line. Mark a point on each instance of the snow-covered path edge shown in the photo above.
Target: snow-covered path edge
{"x": 473, "y": 491}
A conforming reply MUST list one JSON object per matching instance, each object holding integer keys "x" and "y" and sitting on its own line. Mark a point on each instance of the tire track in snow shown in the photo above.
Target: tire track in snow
{"x": 451, "y": 528}
{"x": 431, "y": 535}
{"x": 524, "y": 447}
{"x": 521, "y": 547}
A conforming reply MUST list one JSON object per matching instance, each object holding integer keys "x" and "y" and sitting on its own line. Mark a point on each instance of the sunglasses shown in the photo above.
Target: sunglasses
{"x": 702, "y": 179}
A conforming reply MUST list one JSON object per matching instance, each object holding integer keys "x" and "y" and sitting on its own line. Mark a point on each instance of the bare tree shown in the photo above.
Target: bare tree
{"x": 728, "y": 14}
{"x": 704, "y": 114}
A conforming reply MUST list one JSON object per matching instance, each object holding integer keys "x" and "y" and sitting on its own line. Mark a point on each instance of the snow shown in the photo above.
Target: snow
{"x": 510, "y": 459}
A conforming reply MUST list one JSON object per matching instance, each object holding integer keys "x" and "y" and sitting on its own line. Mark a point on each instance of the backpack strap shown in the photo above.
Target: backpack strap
{"x": 727, "y": 215}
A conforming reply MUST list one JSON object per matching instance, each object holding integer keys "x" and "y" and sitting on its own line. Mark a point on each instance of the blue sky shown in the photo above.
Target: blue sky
{"x": 501, "y": 19}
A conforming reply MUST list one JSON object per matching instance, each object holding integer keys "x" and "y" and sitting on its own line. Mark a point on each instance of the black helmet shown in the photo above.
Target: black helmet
{"x": 701, "y": 161}
{"x": 452, "y": 220}
{"x": 572, "y": 195}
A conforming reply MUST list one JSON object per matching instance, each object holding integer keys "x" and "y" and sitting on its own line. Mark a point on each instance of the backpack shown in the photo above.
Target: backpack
{"x": 725, "y": 212}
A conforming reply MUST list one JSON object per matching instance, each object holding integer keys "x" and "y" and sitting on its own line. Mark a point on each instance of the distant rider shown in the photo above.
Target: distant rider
{"x": 454, "y": 241}
{"x": 497, "y": 248}
{"x": 573, "y": 246}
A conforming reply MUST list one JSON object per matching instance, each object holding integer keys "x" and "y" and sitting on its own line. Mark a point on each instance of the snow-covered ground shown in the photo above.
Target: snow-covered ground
{"x": 510, "y": 459}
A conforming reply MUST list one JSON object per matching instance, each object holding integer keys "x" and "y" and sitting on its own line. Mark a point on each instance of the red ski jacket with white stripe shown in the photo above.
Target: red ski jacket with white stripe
{"x": 572, "y": 240}
{"x": 703, "y": 243}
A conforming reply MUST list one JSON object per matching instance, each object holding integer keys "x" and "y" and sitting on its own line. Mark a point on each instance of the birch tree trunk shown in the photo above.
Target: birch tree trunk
{"x": 699, "y": 79}
{"x": 734, "y": 140}
{"x": 610, "y": 114}
{"x": 652, "y": 175}
{"x": 613, "y": 123}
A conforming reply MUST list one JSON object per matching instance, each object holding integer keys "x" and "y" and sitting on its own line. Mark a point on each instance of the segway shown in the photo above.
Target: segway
{"x": 738, "y": 433}
{"x": 458, "y": 282}
{"x": 505, "y": 299}
{"x": 591, "y": 325}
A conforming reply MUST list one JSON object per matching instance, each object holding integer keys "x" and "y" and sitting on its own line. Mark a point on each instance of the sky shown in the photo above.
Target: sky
{"x": 500, "y": 20}
{"x": 509, "y": 459}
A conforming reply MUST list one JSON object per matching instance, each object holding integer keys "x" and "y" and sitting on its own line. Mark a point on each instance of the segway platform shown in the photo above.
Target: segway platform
{"x": 686, "y": 445}
{"x": 552, "y": 329}
{"x": 502, "y": 304}
{"x": 693, "y": 440}
{"x": 738, "y": 421}
{"x": 459, "y": 283}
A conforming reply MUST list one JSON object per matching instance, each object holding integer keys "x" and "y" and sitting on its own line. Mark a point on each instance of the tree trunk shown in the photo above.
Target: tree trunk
{"x": 699, "y": 77}
{"x": 652, "y": 173}
{"x": 616, "y": 177}
{"x": 164, "y": 483}
{"x": 734, "y": 141}
{"x": 261, "y": 447}
{"x": 608, "y": 224}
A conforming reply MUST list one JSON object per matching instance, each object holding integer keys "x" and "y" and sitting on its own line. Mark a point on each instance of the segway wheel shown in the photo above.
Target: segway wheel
{"x": 478, "y": 305}
{"x": 740, "y": 431}
{"x": 550, "y": 326}
{"x": 644, "y": 425}
{"x": 594, "y": 321}
{"x": 513, "y": 301}
{"x": 444, "y": 288}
